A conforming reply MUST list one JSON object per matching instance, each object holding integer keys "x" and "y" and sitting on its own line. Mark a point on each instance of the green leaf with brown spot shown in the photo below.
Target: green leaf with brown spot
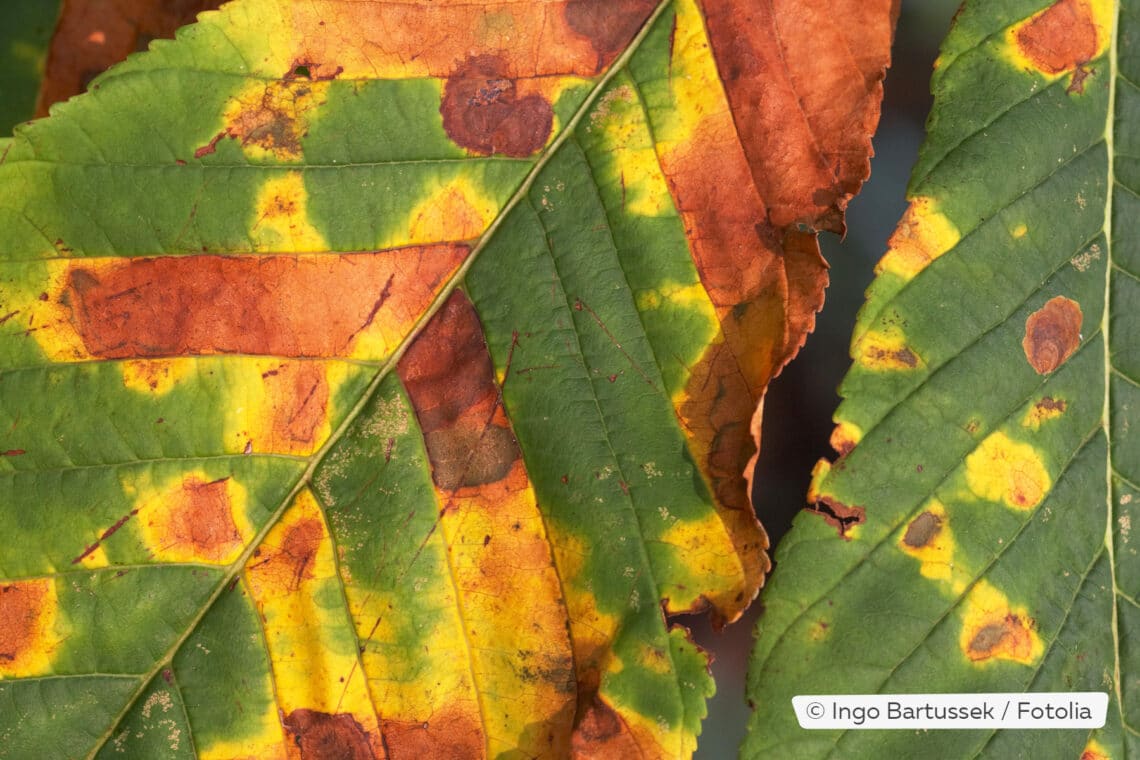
{"x": 379, "y": 378}
{"x": 975, "y": 533}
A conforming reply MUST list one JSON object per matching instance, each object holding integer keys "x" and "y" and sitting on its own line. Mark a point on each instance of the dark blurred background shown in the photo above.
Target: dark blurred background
{"x": 800, "y": 402}
{"x": 797, "y": 415}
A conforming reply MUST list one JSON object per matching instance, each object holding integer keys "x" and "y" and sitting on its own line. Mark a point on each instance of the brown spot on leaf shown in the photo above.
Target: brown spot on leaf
{"x": 198, "y": 521}
{"x": 839, "y": 515}
{"x": 1052, "y": 334}
{"x": 284, "y": 567}
{"x": 599, "y": 732}
{"x": 1060, "y": 38}
{"x": 26, "y": 612}
{"x": 1010, "y": 638}
{"x": 321, "y": 736}
{"x": 609, "y": 25}
{"x": 210, "y": 147}
{"x": 922, "y": 530}
{"x": 451, "y": 383}
{"x": 446, "y": 734}
{"x": 300, "y": 394}
{"x": 483, "y": 113}
{"x": 309, "y": 305}
{"x": 1077, "y": 83}
{"x": 272, "y": 118}
{"x": 1050, "y": 404}
{"x": 898, "y": 357}
{"x": 463, "y": 458}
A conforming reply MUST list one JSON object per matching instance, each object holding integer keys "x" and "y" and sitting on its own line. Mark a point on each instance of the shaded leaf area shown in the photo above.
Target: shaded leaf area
{"x": 25, "y": 31}
{"x": 388, "y": 396}
{"x": 974, "y": 534}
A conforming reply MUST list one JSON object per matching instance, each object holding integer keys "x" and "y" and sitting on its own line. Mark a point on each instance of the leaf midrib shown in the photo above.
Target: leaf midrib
{"x": 1106, "y": 414}
{"x": 315, "y": 460}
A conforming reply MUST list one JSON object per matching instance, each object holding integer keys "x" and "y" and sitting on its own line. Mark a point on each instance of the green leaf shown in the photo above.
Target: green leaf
{"x": 381, "y": 376}
{"x": 975, "y": 533}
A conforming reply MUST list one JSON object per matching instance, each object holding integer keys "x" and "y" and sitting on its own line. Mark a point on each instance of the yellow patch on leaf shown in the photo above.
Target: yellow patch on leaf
{"x": 593, "y": 630}
{"x": 498, "y": 550}
{"x": 705, "y": 559}
{"x": 268, "y": 743}
{"x": 693, "y": 296}
{"x": 1094, "y": 750}
{"x": 281, "y": 406}
{"x": 450, "y": 211}
{"x": 993, "y": 630}
{"x": 45, "y": 316}
{"x": 619, "y": 116}
{"x": 694, "y": 81}
{"x": 928, "y": 539}
{"x": 281, "y": 223}
{"x": 923, "y": 234}
{"x": 885, "y": 351}
{"x": 820, "y": 630}
{"x": 155, "y": 376}
{"x": 456, "y": 211}
{"x": 191, "y": 518}
{"x": 269, "y": 119}
{"x": 28, "y": 640}
{"x": 845, "y": 436}
{"x": 94, "y": 558}
{"x": 411, "y": 681}
{"x": 1019, "y": 231}
{"x": 1005, "y": 470}
{"x": 819, "y": 473}
{"x": 293, "y": 580}
{"x": 1045, "y": 409}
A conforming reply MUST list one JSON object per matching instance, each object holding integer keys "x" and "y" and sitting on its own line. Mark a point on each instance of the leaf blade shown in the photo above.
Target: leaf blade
{"x": 977, "y": 503}
{"x": 172, "y": 261}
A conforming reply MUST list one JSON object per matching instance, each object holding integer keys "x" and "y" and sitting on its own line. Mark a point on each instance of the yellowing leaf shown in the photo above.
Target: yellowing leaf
{"x": 384, "y": 376}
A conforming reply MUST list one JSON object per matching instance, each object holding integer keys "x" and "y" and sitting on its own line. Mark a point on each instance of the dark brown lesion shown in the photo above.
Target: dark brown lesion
{"x": 1061, "y": 38}
{"x": 599, "y": 731}
{"x": 609, "y": 25}
{"x": 1052, "y": 334}
{"x": 1010, "y": 633}
{"x": 201, "y": 519}
{"x": 839, "y": 515}
{"x": 922, "y": 530}
{"x": 897, "y": 357}
{"x": 286, "y": 566}
{"x": 446, "y": 733}
{"x": 300, "y": 394}
{"x": 279, "y": 305}
{"x": 450, "y": 381}
{"x": 324, "y": 736}
{"x": 483, "y": 112}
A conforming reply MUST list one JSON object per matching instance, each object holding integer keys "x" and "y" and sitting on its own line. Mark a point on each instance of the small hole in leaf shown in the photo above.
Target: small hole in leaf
{"x": 302, "y": 71}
